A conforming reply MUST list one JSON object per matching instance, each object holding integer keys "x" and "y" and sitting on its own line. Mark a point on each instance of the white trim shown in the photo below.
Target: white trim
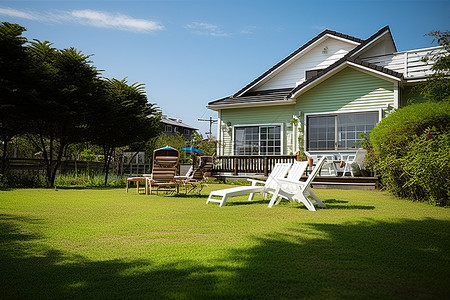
{"x": 254, "y": 104}
{"x": 219, "y": 133}
{"x": 282, "y": 132}
{"x": 341, "y": 67}
{"x": 306, "y": 115}
{"x": 396, "y": 96}
{"x": 371, "y": 43}
{"x": 376, "y": 72}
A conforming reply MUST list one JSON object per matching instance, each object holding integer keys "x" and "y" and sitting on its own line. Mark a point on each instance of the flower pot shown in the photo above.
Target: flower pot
{"x": 310, "y": 162}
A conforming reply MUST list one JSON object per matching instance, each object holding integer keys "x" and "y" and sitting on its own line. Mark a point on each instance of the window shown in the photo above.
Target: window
{"x": 340, "y": 131}
{"x": 167, "y": 128}
{"x": 186, "y": 131}
{"x": 257, "y": 140}
{"x": 312, "y": 73}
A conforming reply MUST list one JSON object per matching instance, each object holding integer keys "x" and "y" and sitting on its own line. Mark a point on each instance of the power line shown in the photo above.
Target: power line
{"x": 211, "y": 122}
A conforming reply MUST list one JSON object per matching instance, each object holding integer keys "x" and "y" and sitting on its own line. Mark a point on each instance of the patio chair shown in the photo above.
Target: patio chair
{"x": 300, "y": 190}
{"x": 279, "y": 171}
{"x": 165, "y": 164}
{"x": 285, "y": 190}
{"x": 196, "y": 176}
{"x": 354, "y": 163}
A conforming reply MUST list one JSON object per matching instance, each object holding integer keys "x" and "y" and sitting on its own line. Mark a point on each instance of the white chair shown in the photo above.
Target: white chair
{"x": 301, "y": 190}
{"x": 329, "y": 168}
{"x": 285, "y": 190}
{"x": 279, "y": 171}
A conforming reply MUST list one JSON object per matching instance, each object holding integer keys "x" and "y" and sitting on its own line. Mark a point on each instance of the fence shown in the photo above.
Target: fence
{"x": 37, "y": 166}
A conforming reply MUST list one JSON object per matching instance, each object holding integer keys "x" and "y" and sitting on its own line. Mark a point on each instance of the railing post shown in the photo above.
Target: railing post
{"x": 235, "y": 166}
{"x": 266, "y": 169}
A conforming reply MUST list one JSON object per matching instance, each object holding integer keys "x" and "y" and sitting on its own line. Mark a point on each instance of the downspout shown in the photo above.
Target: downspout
{"x": 219, "y": 132}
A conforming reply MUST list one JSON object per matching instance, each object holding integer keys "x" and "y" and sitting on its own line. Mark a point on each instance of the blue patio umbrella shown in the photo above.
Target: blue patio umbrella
{"x": 192, "y": 150}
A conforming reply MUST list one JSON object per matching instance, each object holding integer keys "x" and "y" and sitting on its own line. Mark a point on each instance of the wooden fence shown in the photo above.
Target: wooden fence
{"x": 37, "y": 166}
{"x": 257, "y": 164}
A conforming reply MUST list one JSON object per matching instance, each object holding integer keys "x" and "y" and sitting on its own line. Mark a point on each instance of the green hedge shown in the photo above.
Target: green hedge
{"x": 411, "y": 152}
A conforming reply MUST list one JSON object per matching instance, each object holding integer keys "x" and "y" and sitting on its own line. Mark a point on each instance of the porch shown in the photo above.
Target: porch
{"x": 238, "y": 167}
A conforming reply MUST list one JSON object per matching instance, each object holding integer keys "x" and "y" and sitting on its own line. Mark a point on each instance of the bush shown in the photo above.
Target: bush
{"x": 22, "y": 181}
{"x": 410, "y": 150}
{"x": 96, "y": 180}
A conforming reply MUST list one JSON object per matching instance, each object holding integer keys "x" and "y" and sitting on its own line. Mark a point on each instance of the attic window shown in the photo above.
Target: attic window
{"x": 310, "y": 73}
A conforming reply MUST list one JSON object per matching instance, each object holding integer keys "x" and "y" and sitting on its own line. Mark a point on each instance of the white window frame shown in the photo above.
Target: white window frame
{"x": 259, "y": 125}
{"x": 168, "y": 127}
{"x": 324, "y": 114}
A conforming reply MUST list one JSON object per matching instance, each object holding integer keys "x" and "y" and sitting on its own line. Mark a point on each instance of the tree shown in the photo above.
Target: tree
{"x": 64, "y": 86}
{"x": 123, "y": 118}
{"x": 437, "y": 87}
{"x": 13, "y": 74}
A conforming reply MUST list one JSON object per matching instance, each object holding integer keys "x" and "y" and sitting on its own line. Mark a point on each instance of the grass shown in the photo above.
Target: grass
{"x": 105, "y": 243}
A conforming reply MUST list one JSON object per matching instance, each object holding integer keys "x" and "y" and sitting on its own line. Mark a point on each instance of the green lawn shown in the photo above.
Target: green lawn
{"x": 105, "y": 243}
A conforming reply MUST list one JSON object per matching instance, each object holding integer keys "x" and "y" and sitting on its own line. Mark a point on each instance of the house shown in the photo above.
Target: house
{"x": 321, "y": 97}
{"x": 172, "y": 126}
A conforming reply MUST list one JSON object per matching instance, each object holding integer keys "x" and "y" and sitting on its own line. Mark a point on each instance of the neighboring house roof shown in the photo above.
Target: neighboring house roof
{"x": 176, "y": 122}
{"x": 285, "y": 96}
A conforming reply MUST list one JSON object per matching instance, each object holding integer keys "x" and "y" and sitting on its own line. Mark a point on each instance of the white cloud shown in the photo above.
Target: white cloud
{"x": 206, "y": 29}
{"x": 18, "y": 14}
{"x": 116, "y": 21}
{"x": 248, "y": 30}
{"x": 90, "y": 18}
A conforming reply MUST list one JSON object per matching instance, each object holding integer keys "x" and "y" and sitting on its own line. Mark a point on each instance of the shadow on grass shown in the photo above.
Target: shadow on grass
{"x": 341, "y": 204}
{"x": 367, "y": 259}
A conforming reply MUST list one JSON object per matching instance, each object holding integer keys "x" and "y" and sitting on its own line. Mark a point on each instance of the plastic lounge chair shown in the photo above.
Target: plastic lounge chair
{"x": 286, "y": 190}
{"x": 303, "y": 189}
{"x": 279, "y": 171}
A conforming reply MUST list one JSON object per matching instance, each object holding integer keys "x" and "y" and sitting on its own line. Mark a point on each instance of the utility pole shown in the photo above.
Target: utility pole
{"x": 211, "y": 122}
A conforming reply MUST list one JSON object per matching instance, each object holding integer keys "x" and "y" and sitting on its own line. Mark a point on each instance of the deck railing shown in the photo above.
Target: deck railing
{"x": 257, "y": 164}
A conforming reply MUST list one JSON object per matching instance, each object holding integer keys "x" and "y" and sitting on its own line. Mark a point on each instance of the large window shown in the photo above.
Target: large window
{"x": 339, "y": 131}
{"x": 257, "y": 140}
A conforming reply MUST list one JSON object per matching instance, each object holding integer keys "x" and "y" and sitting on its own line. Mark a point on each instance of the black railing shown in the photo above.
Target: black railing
{"x": 257, "y": 164}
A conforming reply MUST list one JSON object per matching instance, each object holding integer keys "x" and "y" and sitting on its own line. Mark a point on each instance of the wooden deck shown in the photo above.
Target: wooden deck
{"x": 259, "y": 166}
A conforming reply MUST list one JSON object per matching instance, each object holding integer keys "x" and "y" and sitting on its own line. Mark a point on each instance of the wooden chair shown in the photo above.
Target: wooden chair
{"x": 165, "y": 165}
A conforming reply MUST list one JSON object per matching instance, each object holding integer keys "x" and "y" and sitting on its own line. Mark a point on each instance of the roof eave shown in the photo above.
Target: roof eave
{"x": 254, "y": 104}
{"x": 339, "y": 68}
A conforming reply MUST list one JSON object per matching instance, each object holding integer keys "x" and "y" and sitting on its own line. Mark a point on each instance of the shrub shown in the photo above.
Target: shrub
{"x": 22, "y": 181}
{"x": 410, "y": 150}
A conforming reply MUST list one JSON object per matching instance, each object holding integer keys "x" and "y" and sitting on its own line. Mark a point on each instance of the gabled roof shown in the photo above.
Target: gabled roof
{"x": 275, "y": 96}
{"x": 351, "y": 58}
{"x": 293, "y": 54}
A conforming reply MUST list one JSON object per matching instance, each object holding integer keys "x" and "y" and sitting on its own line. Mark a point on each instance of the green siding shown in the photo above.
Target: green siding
{"x": 256, "y": 115}
{"x": 348, "y": 90}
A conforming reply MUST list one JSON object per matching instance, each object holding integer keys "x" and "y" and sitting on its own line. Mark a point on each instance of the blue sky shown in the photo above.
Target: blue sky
{"x": 188, "y": 53}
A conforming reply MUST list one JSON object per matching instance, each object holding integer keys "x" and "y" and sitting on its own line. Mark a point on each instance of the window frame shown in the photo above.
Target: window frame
{"x": 281, "y": 125}
{"x": 379, "y": 111}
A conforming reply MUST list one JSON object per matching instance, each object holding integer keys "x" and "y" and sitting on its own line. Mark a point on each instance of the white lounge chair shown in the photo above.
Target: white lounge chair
{"x": 300, "y": 190}
{"x": 286, "y": 190}
{"x": 279, "y": 171}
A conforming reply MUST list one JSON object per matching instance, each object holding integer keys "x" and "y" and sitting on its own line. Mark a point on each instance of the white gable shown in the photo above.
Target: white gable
{"x": 383, "y": 45}
{"x": 321, "y": 55}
